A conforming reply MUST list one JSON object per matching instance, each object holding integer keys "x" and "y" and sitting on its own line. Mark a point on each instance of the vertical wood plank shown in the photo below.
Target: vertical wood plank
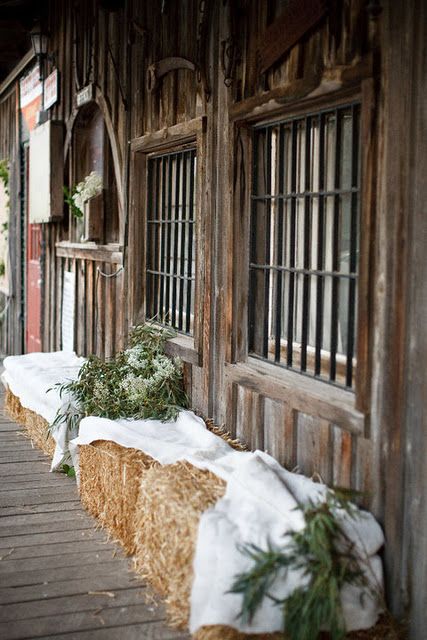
{"x": 99, "y": 311}
{"x": 121, "y": 332}
{"x": 313, "y": 446}
{"x": 110, "y": 311}
{"x": 363, "y": 474}
{"x": 81, "y": 306}
{"x": 342, "y": 457}
{"x": 279, "y": 428}
{"x": 250, "y": 418}
{"x": 90, "y": 307}
{"x": 60, "y": 285}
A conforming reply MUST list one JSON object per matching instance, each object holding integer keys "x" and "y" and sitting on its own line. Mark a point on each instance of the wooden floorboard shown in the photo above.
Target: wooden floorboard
{"x": 40, "y": 508}
{"x": 60, "y": 577}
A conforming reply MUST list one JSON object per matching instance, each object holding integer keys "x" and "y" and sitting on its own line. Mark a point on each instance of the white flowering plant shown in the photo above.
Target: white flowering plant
{"x": 140, "y": 382}
{"x": 88, "y": 188}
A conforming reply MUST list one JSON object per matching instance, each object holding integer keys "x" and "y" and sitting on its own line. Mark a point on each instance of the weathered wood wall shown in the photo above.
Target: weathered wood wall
{"x": 11, "y": 310}
{"x": 401, "y": 350}
{"x": 346, "y": 438}
{"x": 303, "y": 424}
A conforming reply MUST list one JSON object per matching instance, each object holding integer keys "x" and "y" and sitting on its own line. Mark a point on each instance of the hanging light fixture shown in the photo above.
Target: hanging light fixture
{"x": 39, "y": 40}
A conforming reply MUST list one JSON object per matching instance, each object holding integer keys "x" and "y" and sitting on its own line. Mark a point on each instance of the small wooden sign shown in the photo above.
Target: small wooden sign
{"x": 51, "y": 89}
{"x": 298, "y": 17}
{"x": 85, "y": 95}
{"x": 30, "y": 97}
{"x": 46, "y": 173}
{"x": 68, "y": 311}
{"x": 94, "y": 218}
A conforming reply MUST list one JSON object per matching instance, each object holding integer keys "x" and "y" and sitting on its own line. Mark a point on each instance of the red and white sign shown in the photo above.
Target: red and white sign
{"x": 30, "y": 97}
{"x": 51, "y": 89}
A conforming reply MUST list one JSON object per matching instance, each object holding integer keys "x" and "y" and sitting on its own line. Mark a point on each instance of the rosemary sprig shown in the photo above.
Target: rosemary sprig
{"x": 324, "y": 555}
{"x": 140, "y": 382}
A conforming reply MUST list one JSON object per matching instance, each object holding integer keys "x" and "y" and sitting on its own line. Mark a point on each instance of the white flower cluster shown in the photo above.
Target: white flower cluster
{"x": 164, "y": 368}
{"x": 89, "y": 187}
{"x": 136, "y": 386}
{"x": 135, "y": 357}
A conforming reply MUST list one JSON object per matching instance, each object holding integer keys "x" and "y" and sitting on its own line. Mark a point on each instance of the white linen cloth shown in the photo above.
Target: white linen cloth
{"x": 32, "y": 378}
{"x": 259, "y": 506}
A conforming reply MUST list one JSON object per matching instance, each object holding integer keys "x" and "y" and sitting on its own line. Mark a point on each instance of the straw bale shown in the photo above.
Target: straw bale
{"x": 225, "y": 435}
{"x": 219, "y": 632}
{"x": 36, "y": 426}
{"x": 386, "y": 629}
{"x": 110, "y": 476}
{"x": 171, "y": 501}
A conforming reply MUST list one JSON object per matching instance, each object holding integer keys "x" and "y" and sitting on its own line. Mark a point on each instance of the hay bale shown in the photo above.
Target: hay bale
{"x": 110, "y": 476}
{"x": 36, "y": 426}
{"x": 218, "y": 632}
{"x": 171, "y": 501}
{"x": 14, "y": 407}
{"x": 387, "y": 628}
{"x": 225, "y": 435}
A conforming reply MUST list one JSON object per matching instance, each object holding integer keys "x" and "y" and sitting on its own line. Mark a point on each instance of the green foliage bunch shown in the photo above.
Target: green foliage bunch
{"x": 327, "y": 561}
{"x": 4, "y": 174}
{"x": 140, "y": 382}
{"x": 69, "y": 200}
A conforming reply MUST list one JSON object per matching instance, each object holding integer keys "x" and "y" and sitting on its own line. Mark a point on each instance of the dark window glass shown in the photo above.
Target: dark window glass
{"x": 170, "y": 263}
{"x": 305, "y": 243}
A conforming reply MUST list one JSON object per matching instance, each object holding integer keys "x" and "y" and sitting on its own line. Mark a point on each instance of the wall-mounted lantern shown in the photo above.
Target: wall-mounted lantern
{"x": 39, "y": 41}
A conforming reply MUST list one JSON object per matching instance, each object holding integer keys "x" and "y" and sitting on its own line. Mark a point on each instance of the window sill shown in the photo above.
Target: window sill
{"x": 333, "y": 404}
{"x": 110, "y": 253}
{"x": 183, "y": 347}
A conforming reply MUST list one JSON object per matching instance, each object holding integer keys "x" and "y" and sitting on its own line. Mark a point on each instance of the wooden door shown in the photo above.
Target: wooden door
{"x": 33, "y": 275}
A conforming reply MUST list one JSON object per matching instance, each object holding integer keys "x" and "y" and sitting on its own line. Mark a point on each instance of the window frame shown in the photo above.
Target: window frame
{"x": 176, "y": 138}
{"x": 341, "y": 369}
{"x": 349, "y": 408}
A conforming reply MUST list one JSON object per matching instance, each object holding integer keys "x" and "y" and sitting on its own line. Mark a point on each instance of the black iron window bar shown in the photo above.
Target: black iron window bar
{"x": 304, "y": 243}
{"x": 170, "y": 261}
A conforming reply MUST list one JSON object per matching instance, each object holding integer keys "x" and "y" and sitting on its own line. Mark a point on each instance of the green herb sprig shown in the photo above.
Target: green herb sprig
{"x": 68, "y": 199}
{"x": 4, "y": 174}
{"x": 140, "y": 382}
{"x": 325, "y": 557}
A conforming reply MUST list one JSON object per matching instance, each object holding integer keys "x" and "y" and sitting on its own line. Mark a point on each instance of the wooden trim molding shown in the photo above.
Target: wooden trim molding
{"x": 299, "y": 95}
{"x": 16, "y": 72}
{"x": 300, "y": 392}
{"x": 342, "y": 407}
{"x": 114, "y": 143}
{"x": 189, "y": 348}
{"x": 159, "y": 140}
{"x": 183, "y": 347}
{"x": 111, "y": 253}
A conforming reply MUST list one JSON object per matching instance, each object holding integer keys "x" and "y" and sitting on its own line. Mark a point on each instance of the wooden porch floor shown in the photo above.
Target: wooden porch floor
{"x": 59, "y": 577}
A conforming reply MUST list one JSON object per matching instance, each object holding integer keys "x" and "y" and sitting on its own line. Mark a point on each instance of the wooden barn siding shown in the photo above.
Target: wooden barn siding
{"x": 415, "y": 509}
{"x": 304, "y": 440}
{"x": 100, "y": 305}
{"x": 336, "y": 444}
{"x": 399, "y": 381}
{"x": 11, "y": 324}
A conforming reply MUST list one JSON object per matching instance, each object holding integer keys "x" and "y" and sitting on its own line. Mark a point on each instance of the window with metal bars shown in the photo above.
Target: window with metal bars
{"x": 170, "y": 256}
{"x": 304, "y": 243}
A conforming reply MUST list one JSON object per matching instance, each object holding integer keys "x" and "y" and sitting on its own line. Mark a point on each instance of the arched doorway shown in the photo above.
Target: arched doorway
{"x": 89, "y": 153}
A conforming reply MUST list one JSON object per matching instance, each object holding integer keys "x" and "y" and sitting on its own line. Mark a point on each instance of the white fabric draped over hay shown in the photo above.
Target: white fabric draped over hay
{"x": 32, "y": 378}
{"x": 259, "y": 507}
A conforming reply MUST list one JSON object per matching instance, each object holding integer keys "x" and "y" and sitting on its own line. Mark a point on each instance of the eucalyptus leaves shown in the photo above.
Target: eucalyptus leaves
{"x": 4, "y": 174}
{"x": 88, "y": 188}
{"x": 140, "y": 382}
{"x": 328, "y": 561}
